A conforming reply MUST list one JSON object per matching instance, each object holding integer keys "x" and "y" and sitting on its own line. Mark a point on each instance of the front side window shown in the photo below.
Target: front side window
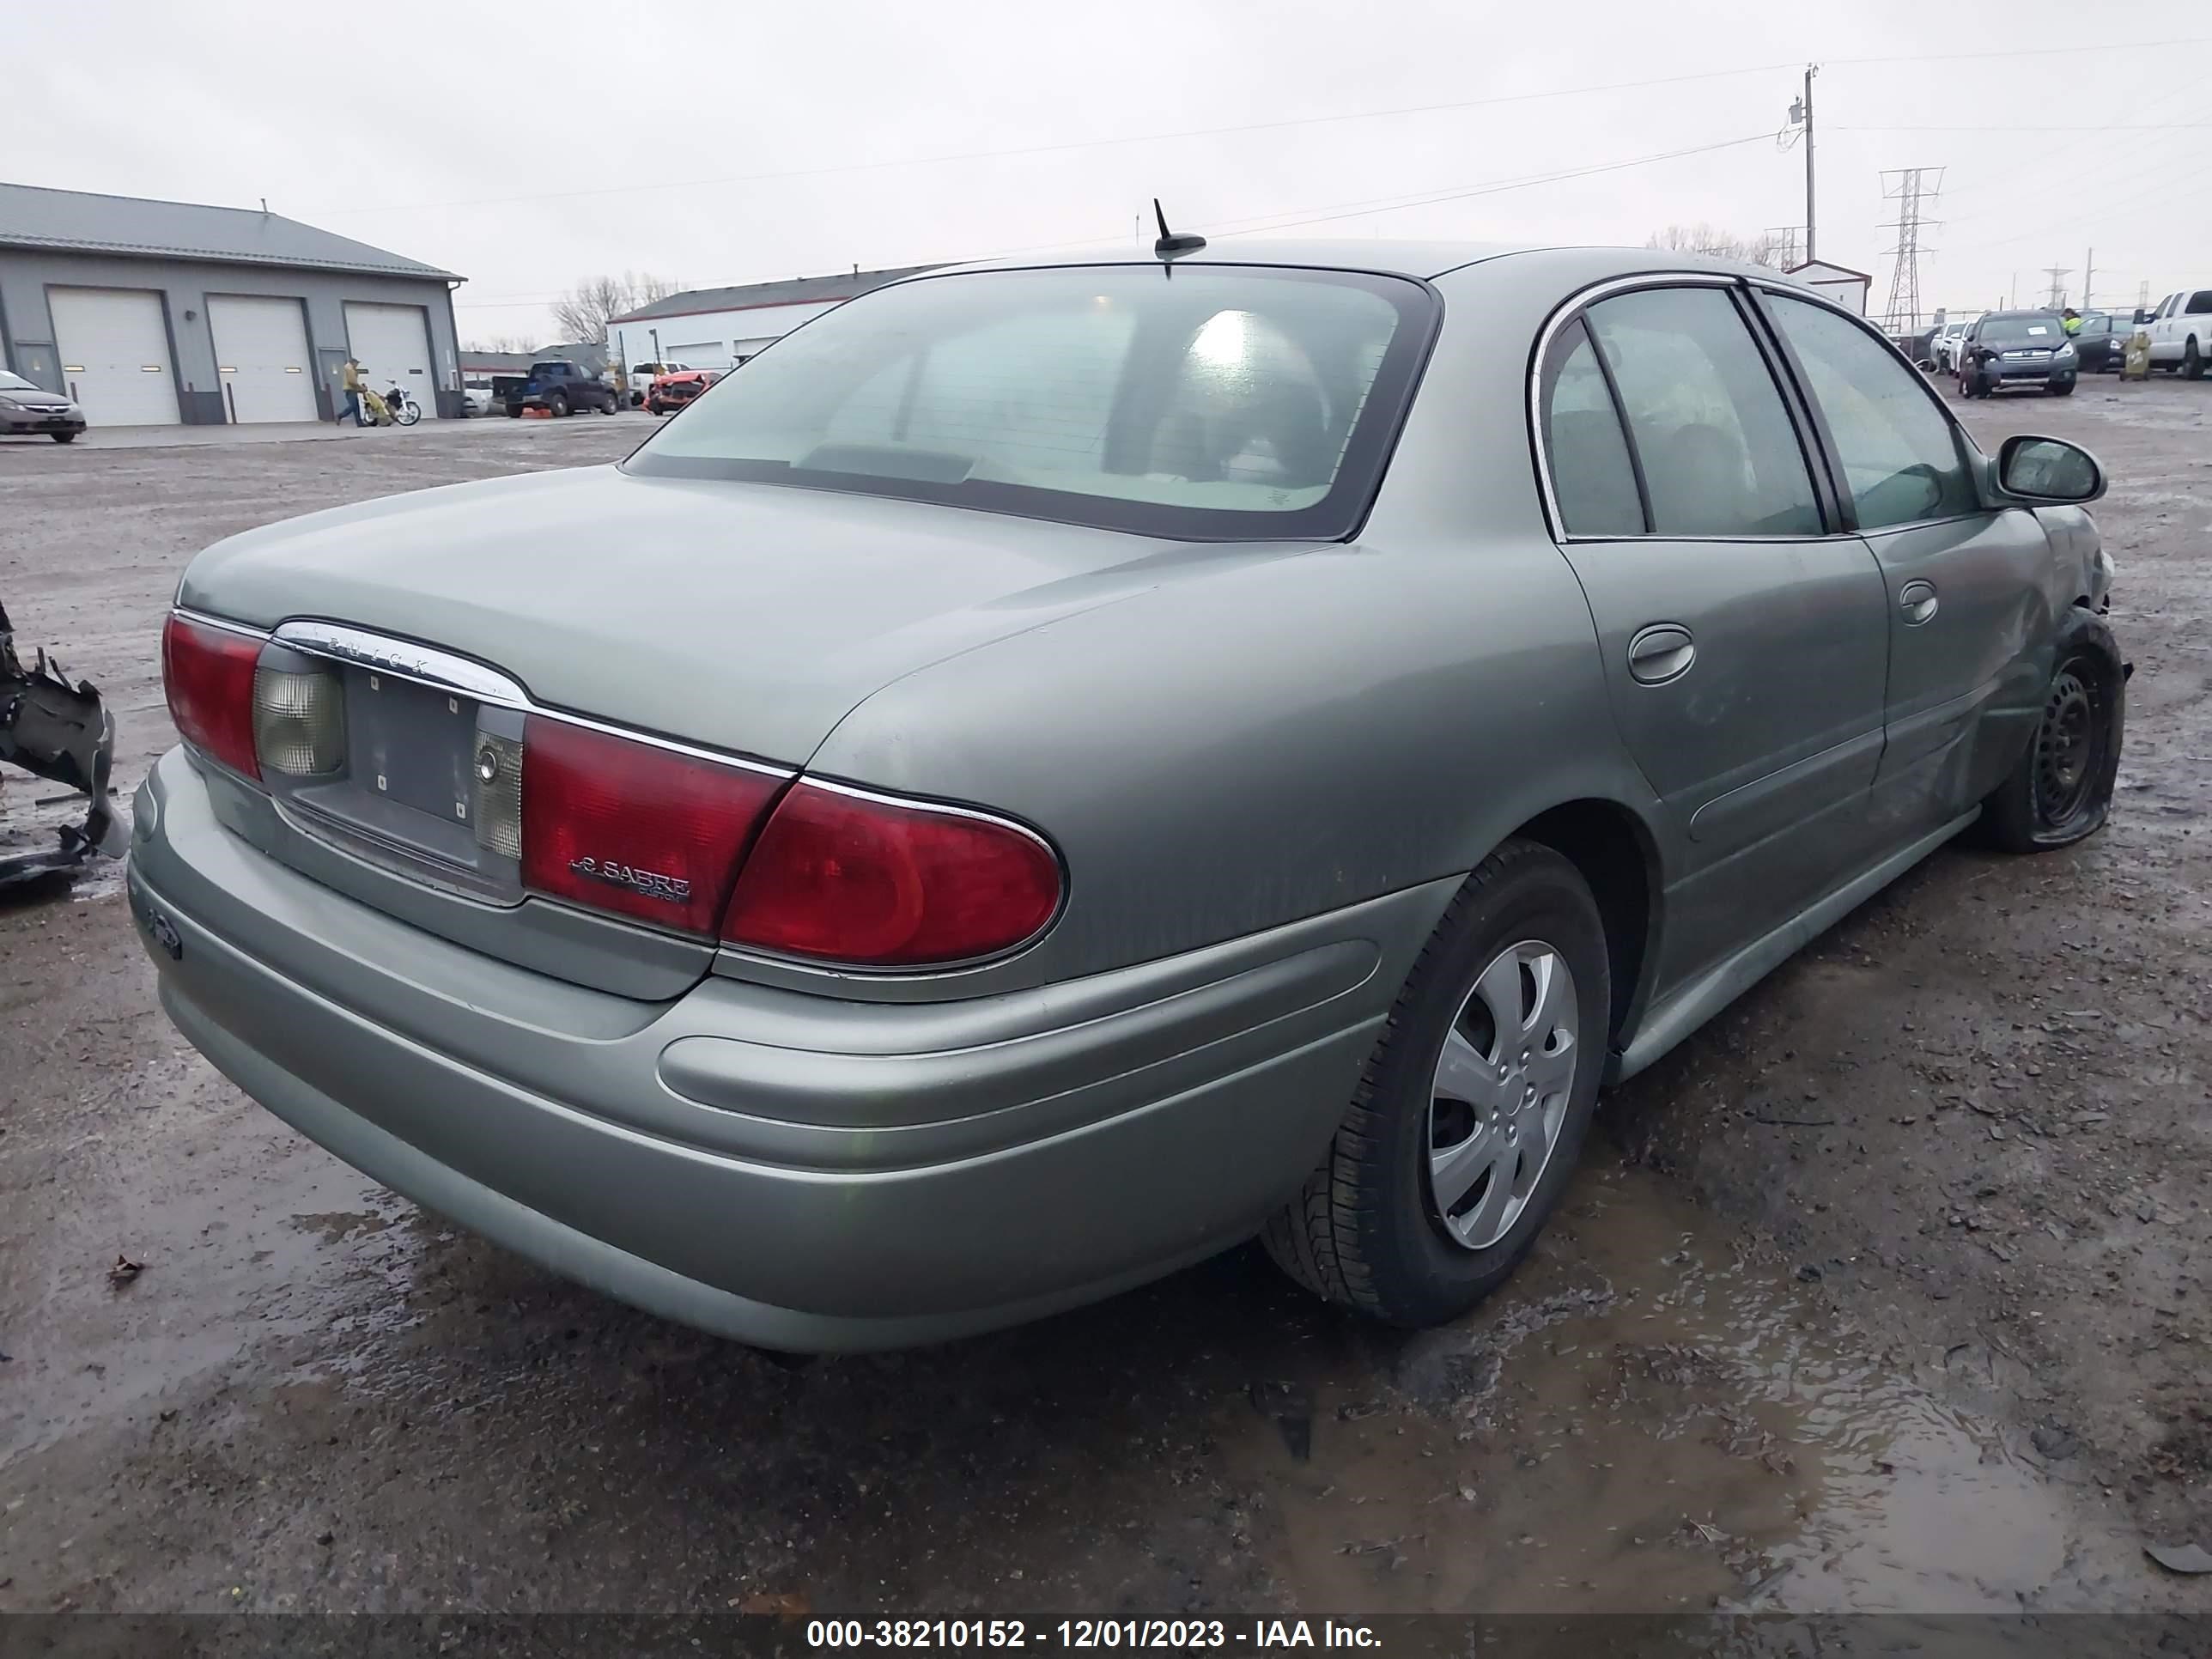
{"x": 1720, "y": 453}
{"x": 1201, "y": 401}
{"x": 1592, "y": 479}
{"x": 1899, "y": 455}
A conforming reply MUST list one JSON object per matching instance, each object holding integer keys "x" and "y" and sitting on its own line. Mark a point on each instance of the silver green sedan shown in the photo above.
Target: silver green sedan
{"x": 1056, "y": 769}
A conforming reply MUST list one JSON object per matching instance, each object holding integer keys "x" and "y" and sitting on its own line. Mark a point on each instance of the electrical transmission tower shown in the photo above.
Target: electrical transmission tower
{"x": 1784, "y": 239}
{"x": 1914, "y": 190}
{"x": 2057, "y": 274}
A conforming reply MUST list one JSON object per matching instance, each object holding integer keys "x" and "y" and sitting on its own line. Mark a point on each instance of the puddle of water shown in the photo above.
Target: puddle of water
{"x": 1640, "y": 1423}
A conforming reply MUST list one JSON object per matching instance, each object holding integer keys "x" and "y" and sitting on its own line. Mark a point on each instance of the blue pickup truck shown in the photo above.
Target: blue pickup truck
{"x": 557, "y": 387}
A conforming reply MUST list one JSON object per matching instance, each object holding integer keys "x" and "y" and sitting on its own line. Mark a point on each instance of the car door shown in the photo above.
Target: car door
{"x": 1743, "y": 633}
{"x": 1969, "y": 612}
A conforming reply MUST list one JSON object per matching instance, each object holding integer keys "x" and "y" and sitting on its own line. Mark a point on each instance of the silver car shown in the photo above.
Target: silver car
{"x": 1079, "y": 765}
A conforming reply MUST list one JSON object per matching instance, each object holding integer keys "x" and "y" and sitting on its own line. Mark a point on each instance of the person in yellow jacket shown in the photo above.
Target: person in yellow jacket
{"x": 2072, "y": 318}
{"x": 350, "y": 383}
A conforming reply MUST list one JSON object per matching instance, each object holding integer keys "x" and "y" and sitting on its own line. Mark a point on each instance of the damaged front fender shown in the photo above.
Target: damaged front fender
{"x": 62, "y": 732}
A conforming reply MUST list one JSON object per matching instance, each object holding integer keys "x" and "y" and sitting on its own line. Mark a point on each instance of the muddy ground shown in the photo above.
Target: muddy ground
{"x": 1887, "y": 1290}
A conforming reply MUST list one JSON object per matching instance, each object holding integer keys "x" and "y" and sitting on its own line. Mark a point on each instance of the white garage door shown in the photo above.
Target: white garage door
{"x": 392, "y": 343}
{"x": 261, "y": 357}
{"x": 115, "y": 355}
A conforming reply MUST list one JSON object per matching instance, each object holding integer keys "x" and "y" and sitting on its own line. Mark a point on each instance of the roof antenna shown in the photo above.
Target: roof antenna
{"x": 264, "y": 207}
{"x": 1171, "y": 244}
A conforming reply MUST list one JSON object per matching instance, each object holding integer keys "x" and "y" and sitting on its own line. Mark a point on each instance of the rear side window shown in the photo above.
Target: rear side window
{"x": 1719, "y": 453}
{"x": 2199, "y": 303}
{"x": 1898, "y": 453}
{"x": 1592, "y": 479}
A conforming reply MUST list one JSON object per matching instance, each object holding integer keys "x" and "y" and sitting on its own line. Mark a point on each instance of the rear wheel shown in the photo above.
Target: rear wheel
{"x": 2193, "y": 366}
{"x": 514, "y": 411}
{"x": 2061, "y": 791}
{"x": 1469, "y": 1117}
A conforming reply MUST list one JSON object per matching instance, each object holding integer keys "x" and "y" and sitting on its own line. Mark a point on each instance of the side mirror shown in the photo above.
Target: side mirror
{"x": 2049, "y": 471}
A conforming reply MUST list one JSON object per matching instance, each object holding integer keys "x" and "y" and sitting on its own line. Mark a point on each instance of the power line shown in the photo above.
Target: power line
{"x": 635, "y": 187}
{"x": 1288, "y": 219}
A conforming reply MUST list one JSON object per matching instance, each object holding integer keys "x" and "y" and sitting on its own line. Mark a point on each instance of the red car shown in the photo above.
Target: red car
{"x": 669, "y": 392}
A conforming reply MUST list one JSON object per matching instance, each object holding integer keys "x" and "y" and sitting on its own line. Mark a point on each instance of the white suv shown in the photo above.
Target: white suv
{"x": 1945, "y": 346}
{"x": 2181, "y": 332}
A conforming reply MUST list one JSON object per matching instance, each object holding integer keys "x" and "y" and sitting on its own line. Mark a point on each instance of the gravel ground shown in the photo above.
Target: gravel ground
{"x": 1886, "y": 1291}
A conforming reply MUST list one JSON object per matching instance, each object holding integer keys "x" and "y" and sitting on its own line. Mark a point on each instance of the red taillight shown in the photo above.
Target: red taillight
{"x": 851, "y": 878}
{"x": 633, "y": 827}
{"x": 208, "y": 675}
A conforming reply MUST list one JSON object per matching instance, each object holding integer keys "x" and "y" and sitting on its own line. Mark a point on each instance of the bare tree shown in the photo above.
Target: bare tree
{"x": 517, "y": 344}
{"x": 582, "y": 315}
{"x": 1764, "y": 249}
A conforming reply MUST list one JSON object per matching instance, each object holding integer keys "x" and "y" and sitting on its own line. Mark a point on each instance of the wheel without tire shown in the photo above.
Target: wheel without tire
{"x": 1469, "y": 1117}
{"x": 2061, "y": 791}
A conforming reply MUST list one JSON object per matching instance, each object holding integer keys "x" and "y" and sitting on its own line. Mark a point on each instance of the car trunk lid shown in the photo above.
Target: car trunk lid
{"x": 736, "y": 623}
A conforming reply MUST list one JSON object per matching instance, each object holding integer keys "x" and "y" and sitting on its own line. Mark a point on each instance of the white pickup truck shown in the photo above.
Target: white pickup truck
{"x": 2181, "y": 332}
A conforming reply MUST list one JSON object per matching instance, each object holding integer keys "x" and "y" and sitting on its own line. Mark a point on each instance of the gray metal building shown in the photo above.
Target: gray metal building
{"x": 156, "y": 313}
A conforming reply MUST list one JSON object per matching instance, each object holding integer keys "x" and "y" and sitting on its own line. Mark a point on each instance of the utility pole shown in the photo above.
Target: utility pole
{"x": 1910, "y": 188}
{"x": 1800, "y": 126}
{"x": 2057, "y": 293}
{"x": 2088, "y": 271}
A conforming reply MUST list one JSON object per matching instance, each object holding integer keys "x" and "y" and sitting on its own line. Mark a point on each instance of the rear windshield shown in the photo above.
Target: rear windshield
{"x": 1198, "y": 402}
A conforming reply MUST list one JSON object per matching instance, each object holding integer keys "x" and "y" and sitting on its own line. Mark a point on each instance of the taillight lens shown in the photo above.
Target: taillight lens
{"x": 298, "y": 721}
{"x": 633, "y": 828}
{"x": 207, "y": 673}
{"x": 855, "y": 879}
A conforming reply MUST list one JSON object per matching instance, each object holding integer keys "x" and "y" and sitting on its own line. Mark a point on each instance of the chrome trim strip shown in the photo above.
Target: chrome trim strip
{"x": 206, "y": 621}
{"x": 443, "y": 671}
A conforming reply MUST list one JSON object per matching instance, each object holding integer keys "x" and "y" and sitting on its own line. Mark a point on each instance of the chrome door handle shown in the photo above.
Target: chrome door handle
{"x": 1916, "y": 599}
{"x": 1661, "y": 652}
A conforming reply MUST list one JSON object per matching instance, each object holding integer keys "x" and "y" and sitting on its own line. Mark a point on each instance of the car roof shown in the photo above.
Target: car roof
{"x": 1422, "y": 260}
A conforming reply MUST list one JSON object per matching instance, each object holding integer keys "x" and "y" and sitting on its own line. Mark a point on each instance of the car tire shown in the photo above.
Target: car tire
{"x": 1366, "y": 1230}
{"x": 2193, "y": 366}
{"x": 2061, "y": 791}
{"x": 2062, "y": 389}
{"x": 514, "y": 411}
{"x": 62, "y": 437}
{"x": 556, "y": 404}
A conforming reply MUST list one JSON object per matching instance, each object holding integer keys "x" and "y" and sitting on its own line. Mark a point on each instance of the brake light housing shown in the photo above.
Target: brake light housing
{"x": 207, "y": 674}
{"x": 645, "y": 832}
{"x": 845, "y": 876}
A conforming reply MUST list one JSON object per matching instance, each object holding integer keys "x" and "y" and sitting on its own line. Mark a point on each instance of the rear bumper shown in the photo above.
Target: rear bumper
{"x": 796, "y": 1171}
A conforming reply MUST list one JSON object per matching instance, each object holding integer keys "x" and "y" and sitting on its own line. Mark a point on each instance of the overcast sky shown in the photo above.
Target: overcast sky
{"x": 529, "y": 144}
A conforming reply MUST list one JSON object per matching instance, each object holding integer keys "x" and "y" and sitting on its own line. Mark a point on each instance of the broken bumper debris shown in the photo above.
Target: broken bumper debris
{"x": 61, "y": 732}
